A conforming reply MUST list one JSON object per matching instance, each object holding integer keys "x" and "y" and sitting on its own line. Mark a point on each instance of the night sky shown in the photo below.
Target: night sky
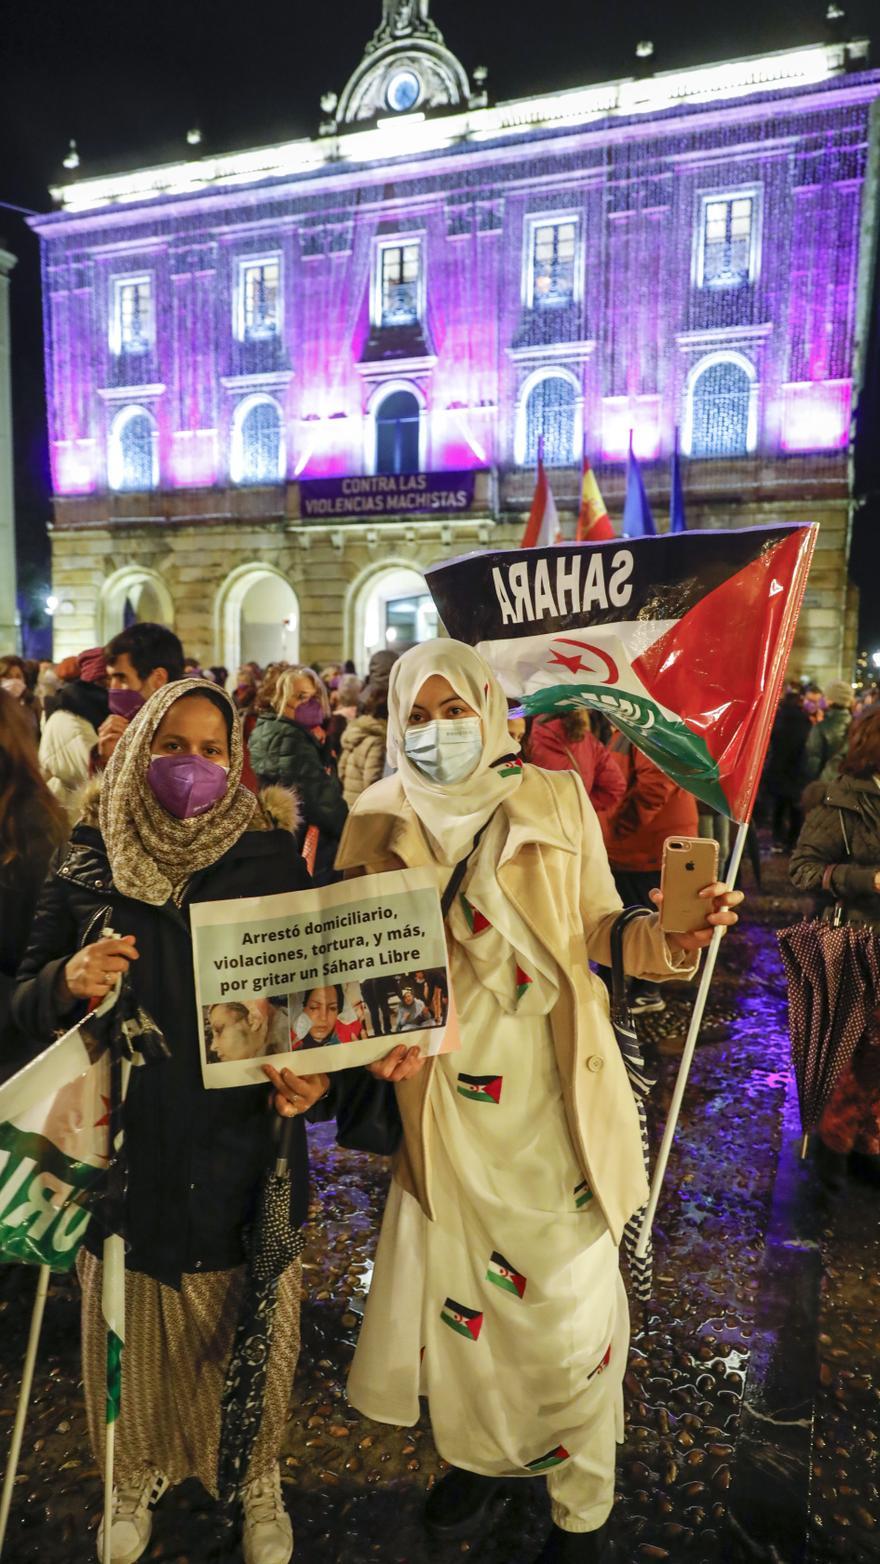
{"x": 128, "y": 81}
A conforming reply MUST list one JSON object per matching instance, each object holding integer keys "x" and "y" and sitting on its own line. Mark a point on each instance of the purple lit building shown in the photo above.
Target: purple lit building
{"x": 283, "y": 381}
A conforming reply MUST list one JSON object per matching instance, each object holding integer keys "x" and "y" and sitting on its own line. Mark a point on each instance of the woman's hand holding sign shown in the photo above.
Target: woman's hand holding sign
{"x": 295, "y": 1094}
{"x": 398, "y": 1065}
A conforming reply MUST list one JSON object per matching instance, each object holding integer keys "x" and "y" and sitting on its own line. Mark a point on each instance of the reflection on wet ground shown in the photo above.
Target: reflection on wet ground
{"x": 355, "y": 1488}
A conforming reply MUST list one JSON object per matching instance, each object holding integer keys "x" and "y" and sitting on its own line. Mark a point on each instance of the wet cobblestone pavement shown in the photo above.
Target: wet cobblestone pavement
{"x": 355, "y": 1489}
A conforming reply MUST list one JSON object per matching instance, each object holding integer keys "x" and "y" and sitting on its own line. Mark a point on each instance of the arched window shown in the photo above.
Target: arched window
{"x": 397, "y": 433}
{"x": 257, "y": 442}
{"x": 133, "y": 455}
{"x": 550, "y": 413}
{"x": 720, "y": 403}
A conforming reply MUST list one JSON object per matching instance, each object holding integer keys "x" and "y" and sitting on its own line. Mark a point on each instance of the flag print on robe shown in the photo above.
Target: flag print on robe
{"x": 503, "y": 1274}
{"x": 476, "y": 920}
{"x": 480, "y": 1088}
{"x": 601, "y": 1366}
{"x": 468, "y": 1322}
{"x": 546, "y": 1463}
{"x": 682, "y": 640}
{"x": 582, "y": 1194}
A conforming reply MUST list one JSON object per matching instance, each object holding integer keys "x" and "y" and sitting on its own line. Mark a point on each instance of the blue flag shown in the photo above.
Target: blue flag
{"x": 637, "y": 519}
{"x": 677, "y": 522}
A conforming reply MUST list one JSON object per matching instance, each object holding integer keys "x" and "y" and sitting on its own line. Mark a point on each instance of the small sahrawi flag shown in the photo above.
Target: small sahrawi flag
{"x": 582, "y": 1194}
{"x": 502, "y": 1273}
{"x": 480, "y": 1088}
{"x": 545, "y": 1463}
{"x": 682, "y": 641}
{"x": 602, "y": 1365}
{"x": 468, "y": 1322}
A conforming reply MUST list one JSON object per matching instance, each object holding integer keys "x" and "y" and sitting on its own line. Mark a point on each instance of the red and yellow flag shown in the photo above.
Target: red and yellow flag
{"x": 593, "y": 524}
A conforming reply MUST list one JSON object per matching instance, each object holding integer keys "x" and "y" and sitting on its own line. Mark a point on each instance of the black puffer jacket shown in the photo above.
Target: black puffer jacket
{"x": 195, "y": 1157}
{"x": 20, "y": 884}
{"x": 851, "y": 806}
{"x": 283, "y": 752}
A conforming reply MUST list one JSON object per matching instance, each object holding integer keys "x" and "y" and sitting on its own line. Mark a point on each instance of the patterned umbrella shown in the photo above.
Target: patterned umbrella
{"x": 641, "y": 1270}
{"x": 833, "y": 976}
{"x": 272, "y": 1245}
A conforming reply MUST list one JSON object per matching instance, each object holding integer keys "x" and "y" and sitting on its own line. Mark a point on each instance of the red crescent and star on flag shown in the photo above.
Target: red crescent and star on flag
{"x": 575, "y": 664}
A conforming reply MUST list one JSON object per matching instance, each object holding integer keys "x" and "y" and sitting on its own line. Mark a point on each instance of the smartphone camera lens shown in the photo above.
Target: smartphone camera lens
{"x": 690, "y": 867}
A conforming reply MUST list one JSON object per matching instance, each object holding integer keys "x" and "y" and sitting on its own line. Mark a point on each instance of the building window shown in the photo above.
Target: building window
{"x": 399, "y": 284}
{"x": 258, "y": 301}
{"x": 552, "y": 263}
{"x": 132, "y": 321}
{"x": 398, "y": 421}
{"x": 133, "y": 455}
{"x": 720, "y": 410}
{"x": 550, "y": 411}
{"x": 728, "y": 240}
{"x": 257, "y": 442}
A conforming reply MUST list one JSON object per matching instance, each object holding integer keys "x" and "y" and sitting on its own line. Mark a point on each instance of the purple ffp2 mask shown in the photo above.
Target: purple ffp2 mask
{"x": 187, "y": 785}
{"x": 310, "y": 713}
{"x": 124, "y": 703}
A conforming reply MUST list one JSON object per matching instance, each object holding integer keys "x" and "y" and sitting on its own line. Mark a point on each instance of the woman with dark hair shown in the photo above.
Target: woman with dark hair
{"x": 171, "y": 826}
{"x": 837, "y": 857}
{"x": 316, "y": 1027}
{"x": 14, "y": 680}
{"x": 32, "y": 826}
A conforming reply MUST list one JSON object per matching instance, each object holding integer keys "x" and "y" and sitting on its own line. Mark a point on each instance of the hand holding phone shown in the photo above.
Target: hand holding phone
{"x": 690, "y": 863}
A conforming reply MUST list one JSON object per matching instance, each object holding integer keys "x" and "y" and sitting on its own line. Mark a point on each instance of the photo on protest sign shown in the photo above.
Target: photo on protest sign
{"x": 321, "y": 980}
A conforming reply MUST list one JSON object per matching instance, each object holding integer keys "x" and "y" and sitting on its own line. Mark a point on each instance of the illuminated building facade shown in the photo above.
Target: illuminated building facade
{"x": 282, "y": 382}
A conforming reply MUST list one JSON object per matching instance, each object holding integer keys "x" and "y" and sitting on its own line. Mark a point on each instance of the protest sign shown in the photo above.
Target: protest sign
{"x": 321, "y": 980}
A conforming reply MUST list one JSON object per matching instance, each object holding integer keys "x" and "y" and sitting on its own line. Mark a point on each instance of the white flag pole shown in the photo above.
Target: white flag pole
{"x": 688, "y": 1054}
{"x": 24, "y": 1396}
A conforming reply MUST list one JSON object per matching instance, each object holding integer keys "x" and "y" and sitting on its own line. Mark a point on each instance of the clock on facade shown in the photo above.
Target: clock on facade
{"x": 403, "y": 91}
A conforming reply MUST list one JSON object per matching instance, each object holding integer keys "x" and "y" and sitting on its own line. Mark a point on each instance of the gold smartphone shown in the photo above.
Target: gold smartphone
{"x": 690, "y": 863}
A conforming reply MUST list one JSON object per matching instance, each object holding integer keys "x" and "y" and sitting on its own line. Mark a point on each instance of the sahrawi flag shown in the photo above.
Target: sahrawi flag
{"x": 681, "y": 640}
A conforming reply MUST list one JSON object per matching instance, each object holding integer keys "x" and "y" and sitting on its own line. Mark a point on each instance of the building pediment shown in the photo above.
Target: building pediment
{"x": 406, "y": 68}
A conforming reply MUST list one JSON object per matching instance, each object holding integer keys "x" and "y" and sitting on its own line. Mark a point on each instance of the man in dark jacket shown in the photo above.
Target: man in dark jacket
{"x": 827, "y": 740}
{"x": 784, "y": 771}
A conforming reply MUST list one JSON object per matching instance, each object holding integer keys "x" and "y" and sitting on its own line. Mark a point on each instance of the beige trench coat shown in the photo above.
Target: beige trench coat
{"x": 554, "y": 869}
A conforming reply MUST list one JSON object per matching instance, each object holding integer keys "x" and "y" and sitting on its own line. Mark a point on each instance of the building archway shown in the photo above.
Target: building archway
{"x": 133, "y": 595}
{"x": 721, "y": 406}
{"x": 550, "y": 408}
{"x": 256, "y": 618}
{"x": 389, "y": 608}
{"x": 399, "y": 441}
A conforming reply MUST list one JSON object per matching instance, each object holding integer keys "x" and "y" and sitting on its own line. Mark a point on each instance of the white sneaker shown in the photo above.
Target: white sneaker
{"x": 132, "y": 1521}
{"x": 267, "y": 1535}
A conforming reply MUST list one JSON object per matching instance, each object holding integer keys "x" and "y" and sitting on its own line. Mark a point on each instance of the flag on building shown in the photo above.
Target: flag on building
{"x": 676, "y": 493}
{"x": 504, "y": 1275}
{"x": 480, "y": 1088}
{"x": 593, "y": 523}
{"x": 637, "y": 519}
{"x": 682, "y": 641}
{"x": 468, "y": 1322}
{"x": 542, "y": 527}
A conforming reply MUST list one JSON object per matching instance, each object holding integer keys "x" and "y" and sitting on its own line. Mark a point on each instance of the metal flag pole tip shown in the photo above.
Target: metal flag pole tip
{"x": 684, "y": 1068}
{"x": 24, "y": 1396}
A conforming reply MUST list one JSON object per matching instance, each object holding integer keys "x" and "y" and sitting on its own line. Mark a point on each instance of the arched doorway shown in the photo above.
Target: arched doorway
{"x": 393, "y": 610}
{"x": 133, "y": 596}
{"x": 257, "y": 618}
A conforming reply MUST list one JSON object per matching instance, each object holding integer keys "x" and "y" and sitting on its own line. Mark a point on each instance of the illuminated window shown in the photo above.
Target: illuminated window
{"x": 550, "y": 415}
{"x": 728, "y": 240}
{"x": 721, "y": 397}
{"x": 399, "y": 284}
{"x": 133, "y": 454}
{"x": 397, "y": 433}
{"x": 257, "y": 442}
{"x": 258, "y": 305}
{"x": 553, "y": 256}
{"x": 132, "y": 321}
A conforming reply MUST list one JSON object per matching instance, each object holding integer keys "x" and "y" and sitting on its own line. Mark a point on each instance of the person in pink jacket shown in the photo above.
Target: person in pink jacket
{"x": 568, "y": 744}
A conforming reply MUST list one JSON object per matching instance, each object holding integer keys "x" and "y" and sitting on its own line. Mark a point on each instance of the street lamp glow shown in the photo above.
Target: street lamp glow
{"x": 875, "y": 658}
{"x": 52, "y": 603}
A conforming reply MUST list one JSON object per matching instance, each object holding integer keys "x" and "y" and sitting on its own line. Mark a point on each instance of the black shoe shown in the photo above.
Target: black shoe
{"x": 578, "y": 1547}
{"x": 462, "y": 1503}
{"x": 831, "y": 1167}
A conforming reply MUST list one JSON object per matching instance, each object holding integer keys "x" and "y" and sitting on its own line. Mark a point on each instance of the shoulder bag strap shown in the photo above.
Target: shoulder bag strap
{"x": 454, "y": 883}
{"x": 618, "y": 976}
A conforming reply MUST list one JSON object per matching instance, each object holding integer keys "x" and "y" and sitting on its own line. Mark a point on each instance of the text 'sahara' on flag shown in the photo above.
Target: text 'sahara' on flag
{"x": 682, "y": 641}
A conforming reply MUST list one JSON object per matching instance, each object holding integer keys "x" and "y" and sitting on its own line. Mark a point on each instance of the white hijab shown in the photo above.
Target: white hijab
{"x": 452, "y": 814}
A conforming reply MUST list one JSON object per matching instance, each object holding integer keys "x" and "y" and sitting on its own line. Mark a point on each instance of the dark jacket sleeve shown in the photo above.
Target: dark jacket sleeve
{"x": 821, "y": 846}
{"x": 365, "y": 1109}
{"x": 37, "y": 1011}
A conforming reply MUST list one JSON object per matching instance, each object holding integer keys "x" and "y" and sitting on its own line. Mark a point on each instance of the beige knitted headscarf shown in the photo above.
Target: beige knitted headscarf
{"x": 152, "y": 854}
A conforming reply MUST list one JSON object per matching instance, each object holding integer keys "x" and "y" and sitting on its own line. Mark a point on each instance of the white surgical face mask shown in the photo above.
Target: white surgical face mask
{"x": 445, "y": 751}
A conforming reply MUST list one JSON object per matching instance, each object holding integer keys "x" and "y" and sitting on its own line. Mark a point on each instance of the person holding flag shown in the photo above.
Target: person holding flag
{"x": 496, "y": 1291}
{"x": 172, "y": 826}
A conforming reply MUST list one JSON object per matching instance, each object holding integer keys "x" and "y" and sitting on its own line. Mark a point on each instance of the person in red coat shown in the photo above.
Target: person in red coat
{"x": 652, "y": 808}
{"x": 568, "y": 744}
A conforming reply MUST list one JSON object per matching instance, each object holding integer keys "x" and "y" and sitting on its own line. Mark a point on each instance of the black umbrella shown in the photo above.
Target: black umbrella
{"x": 641, "y": 1268}
{"x": 833, "y": 973}
{"x": 271, "y": 1244}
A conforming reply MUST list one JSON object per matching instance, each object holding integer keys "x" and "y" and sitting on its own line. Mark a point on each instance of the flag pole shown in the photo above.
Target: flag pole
{"x": 688, "y": 1054}
{"x": 24, "y": 1396}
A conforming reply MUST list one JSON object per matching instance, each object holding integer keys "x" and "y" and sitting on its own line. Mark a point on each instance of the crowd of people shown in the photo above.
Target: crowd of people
{"x": 135, "y": 783}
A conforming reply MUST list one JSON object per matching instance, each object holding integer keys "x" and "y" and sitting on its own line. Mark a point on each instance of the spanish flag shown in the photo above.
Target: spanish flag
{"x": 593, "y": 525}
